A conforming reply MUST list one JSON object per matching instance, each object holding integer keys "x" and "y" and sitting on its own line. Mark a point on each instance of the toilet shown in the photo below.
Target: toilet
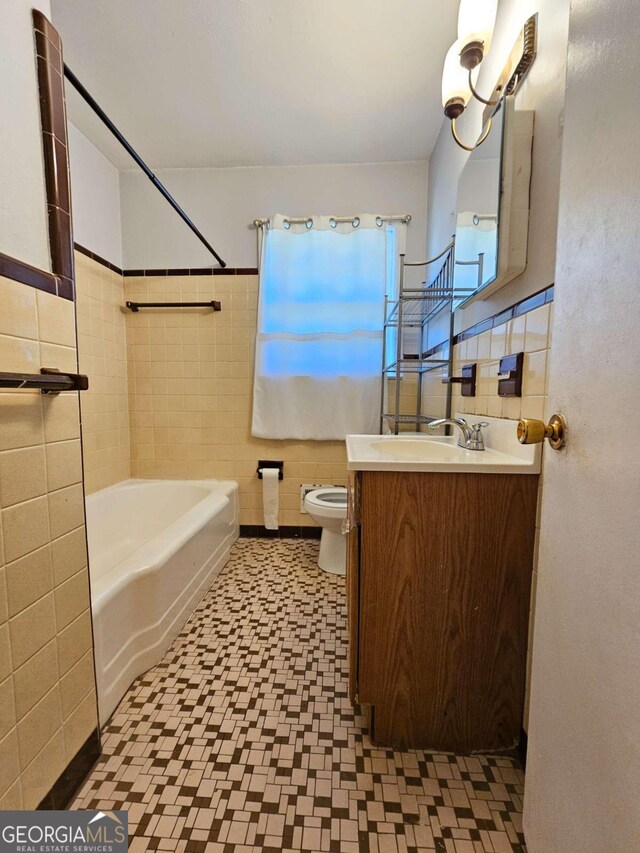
{"x": 328, "y": 506}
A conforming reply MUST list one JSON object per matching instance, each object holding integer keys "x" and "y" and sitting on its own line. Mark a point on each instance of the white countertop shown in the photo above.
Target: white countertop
{"x": 503, "y": 453}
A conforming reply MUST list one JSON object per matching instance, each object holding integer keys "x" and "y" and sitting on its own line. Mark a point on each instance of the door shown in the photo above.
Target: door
{"x": 583, "y": 774}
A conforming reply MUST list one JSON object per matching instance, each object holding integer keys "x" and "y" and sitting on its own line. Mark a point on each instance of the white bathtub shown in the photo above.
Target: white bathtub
{"x": 155, "y": 547}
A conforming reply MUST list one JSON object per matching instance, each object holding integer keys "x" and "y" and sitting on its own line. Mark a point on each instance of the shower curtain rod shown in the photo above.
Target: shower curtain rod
{"x": 95, "y": 106}
{"x": 300, "y": 220}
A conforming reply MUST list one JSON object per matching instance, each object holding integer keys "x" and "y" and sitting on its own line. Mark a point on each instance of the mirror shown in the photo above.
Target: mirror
{"x": 492, "y": 219}
{"x": 477, "y": 213}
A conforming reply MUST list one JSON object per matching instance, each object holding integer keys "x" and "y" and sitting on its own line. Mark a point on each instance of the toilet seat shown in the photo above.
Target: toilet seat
{"x": 332, "y": 501}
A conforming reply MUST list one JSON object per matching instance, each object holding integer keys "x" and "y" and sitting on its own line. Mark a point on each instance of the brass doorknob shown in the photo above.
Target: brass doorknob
{"x": 531, "y": 431}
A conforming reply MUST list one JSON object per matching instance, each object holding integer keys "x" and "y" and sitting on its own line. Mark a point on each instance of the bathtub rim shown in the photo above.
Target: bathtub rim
{"x": 153, "y": 553}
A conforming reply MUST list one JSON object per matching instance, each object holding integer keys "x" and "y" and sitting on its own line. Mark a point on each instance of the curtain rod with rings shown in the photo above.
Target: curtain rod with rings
{"x": 355, "y": 220}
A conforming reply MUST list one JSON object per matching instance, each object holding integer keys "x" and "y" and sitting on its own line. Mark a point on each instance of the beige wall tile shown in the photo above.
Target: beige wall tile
{"x": 36, "y": 728}
{"x": 515, "y": 335}
{"x": 7, "y": 707}
{"x": 535, "y": 374}
{"x": 22, "y": 475}
{"x": 66, "y": 510}
{"x": 533, "y": 407}
{"x": 9, "y": 763}
{"x": 74, "y": 641}
{"x": 62, "y": 358}
{"x": 37, "y": 481}
{"x": 20, "y": 419}
{"x": 61, "y": 417}
{"x": 25, "y": 527}
{"x": 79, "y": 725}
{"x": 64, "y": 464}
{"x": 19, "y": 355}
{"x": 17, "y": 310}
{"x": 484, "y": 346}
{"x": 35, "y": 678}
{"x": 102, "y": 355}
{"x": 28, "y": 579}
{"x": 511, "y": 407}
{"x": 76, "y": 684}
{"x": 56, "y": 320}
{"x": 32, "y": 629}
{"x": 12, "y": 799}
{"x": 45, "y": 767}
{"x": 498, "y": 346}
{"x": 4, "y": 606}
{"x": 537, "y": 329}
{"x": 71, "y": 599}
{"x": 69, "y": 554}
{"x": 5, "y": 652}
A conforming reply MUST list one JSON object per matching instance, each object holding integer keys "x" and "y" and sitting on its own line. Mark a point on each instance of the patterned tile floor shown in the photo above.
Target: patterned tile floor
{"x": 243, "y": 738}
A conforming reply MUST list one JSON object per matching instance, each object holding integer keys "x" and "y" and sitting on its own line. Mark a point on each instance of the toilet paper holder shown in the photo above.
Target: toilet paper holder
{"x": 270, "y": 463}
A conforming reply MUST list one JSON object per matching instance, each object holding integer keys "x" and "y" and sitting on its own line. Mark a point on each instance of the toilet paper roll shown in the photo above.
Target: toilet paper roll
{"x": 270, "y": 499}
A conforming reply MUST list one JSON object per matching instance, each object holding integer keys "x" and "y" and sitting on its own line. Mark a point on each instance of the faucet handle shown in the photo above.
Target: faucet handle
{"x": 480, "y": 425}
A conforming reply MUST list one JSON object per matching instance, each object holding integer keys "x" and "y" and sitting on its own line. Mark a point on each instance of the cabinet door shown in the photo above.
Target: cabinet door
{"x": 445, "y": 573}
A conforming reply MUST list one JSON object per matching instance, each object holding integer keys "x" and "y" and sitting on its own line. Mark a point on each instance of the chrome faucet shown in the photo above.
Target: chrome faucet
{"x": 471, "y": 437}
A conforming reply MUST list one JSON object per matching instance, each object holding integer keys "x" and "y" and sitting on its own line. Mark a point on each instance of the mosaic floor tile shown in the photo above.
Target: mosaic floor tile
{"x": 243, "y": 737}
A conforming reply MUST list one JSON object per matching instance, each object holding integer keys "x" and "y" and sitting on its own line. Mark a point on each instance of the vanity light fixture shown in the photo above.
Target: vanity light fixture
{"x": 476, "y": 20}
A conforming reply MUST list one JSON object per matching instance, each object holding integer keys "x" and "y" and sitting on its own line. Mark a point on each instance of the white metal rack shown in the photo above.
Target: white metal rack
{"x": 417, "y": 307}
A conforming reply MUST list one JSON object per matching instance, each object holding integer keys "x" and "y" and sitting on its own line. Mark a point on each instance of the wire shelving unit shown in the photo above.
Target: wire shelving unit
{"x": 417, "y": 308}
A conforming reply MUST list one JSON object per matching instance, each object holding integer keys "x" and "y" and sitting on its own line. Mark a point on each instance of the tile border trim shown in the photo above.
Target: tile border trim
{"x": 26, "y": 274}
{"x": 53, "y": 126}
{"x": 192, "y": 271}
{"x": 71, "y": 779}
{"x": 529, "y": 303}
{"x": 97, "y": 258}
{"x": 185, "y": 271}
{"x": 259, "y": 531}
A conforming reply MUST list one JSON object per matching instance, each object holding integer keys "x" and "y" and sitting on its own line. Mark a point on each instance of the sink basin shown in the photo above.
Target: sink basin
{"x": 420, "y": 448}
{"x": 438, "y": 453}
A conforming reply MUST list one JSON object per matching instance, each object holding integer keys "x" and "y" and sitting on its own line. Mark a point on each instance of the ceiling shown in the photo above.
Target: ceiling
{"x": 203, "y": 83}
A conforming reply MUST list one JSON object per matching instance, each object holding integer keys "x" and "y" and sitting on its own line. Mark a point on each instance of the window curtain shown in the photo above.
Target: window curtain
{"x": 320, "y": 318}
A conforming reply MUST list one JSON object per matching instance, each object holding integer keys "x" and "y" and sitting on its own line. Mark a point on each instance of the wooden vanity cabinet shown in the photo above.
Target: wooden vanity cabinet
{"x": 438, "y": 585}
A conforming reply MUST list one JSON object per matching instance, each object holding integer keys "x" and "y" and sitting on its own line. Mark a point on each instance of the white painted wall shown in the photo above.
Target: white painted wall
{"x": 23, "y": 213}
{"x": 542, "y": 91}
{"x": 95, "y": 196}
{"x": 224, "y": 202}
{"x": 583, "y": 769}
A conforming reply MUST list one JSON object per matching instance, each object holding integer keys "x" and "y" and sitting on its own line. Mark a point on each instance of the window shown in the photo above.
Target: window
{"x": 319, "y": 343}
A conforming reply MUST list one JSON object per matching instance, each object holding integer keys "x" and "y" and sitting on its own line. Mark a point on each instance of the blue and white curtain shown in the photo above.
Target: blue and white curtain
{"x": 320, "y": 319}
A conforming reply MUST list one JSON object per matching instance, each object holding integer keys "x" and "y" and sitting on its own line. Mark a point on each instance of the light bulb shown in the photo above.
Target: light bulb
{"x": 456, "y": 92}
{"x": 476, "y": 21}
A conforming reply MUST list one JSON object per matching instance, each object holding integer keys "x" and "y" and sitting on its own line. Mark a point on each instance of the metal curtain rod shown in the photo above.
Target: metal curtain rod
{"x": 95, "y": 106}
{"x": 300, "y": 220}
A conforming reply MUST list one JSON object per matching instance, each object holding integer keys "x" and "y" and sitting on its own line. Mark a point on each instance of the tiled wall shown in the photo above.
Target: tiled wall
{"x": 529, "y": 333}
{"x": 102, "y": 354}
{"x": 47, "y": 693}
{"x": 190, "y": 385}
